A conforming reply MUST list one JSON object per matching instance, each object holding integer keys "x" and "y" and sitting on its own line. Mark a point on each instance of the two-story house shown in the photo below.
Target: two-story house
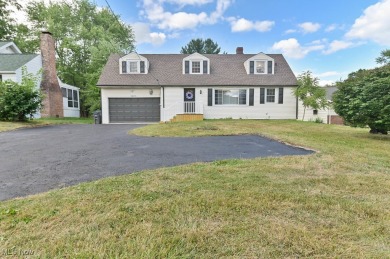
{"x": 166, "y": 87}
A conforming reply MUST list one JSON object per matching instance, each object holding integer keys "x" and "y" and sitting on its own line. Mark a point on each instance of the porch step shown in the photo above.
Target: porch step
{"x": 187, "y": 117}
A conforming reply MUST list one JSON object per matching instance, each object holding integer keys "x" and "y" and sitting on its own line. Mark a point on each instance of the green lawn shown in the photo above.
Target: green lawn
{"x": 6, "y": 126}
{"x": 332, "y": 204}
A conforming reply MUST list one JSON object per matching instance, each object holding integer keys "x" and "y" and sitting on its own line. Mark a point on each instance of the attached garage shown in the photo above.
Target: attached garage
{"x": 134, "y": 110}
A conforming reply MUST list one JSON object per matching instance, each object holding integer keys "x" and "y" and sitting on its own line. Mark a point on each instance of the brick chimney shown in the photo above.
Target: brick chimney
{"x": 239, "y": 50}
{"x": 52, "y": 103}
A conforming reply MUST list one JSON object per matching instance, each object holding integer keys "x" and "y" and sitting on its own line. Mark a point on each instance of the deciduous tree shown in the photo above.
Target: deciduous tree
{"x": 85, "y": 36}
{"x": 310, "y": 93}
{"x": 363, "y": 99}
{"x": 7, "y": 24}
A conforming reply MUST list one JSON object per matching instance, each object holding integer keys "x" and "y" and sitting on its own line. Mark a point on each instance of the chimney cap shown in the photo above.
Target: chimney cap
{"x": 239, "y": 50}
{"x": 45, "y": 31}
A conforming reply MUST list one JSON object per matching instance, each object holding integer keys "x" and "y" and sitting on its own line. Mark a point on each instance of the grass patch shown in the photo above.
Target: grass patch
{"x": 335, "y": 203}
{"x": 7, "y": 126}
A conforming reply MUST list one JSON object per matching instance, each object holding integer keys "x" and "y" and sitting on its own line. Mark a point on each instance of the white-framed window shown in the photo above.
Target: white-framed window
{"x": 260, "y": 67}
{"x": 73, "y": 97}
{"x": 230, "y": 96}
{"x": 195, "y": 67}
{"x": 133, "y": 67}
{"x": 270, "y": 95}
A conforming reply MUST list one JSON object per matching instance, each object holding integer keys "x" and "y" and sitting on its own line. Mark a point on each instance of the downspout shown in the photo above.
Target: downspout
{"x": 163, "y": 91}
{"x": 296, "y": 109}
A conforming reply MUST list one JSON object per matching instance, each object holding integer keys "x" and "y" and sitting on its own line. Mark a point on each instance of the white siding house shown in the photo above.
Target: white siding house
{"x": 160, "y": 87}
{"x": 327, "y": 115}
{"x": 12, "y": 61}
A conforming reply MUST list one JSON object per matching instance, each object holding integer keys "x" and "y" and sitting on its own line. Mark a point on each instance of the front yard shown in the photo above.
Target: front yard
{"x": 6, "y": 126}
{"x": 335, "y": 203}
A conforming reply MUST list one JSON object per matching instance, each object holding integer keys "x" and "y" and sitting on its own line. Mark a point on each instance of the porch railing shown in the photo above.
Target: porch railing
{"x": 181, "y": 108}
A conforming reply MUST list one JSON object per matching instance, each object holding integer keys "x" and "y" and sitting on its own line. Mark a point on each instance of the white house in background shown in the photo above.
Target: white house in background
{"x": 173, "y": 87}
{"x": 11, "y": 62}
{"x": 327, "y": 115}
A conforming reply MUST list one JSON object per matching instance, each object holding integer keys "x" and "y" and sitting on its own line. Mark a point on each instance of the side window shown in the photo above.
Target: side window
{"x": 70, "y": 98}
{"x": 75, "y": 99}
{"x": 64, "y": 92}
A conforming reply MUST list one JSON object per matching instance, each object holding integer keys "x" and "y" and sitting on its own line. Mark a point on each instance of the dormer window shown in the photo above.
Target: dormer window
{"x": 260, "y": 64}
{"x": 133, "y": 67}
{"x": 133, "y": 63}
{"x": 260, "y": 67}
{"x": 196, "y": 64}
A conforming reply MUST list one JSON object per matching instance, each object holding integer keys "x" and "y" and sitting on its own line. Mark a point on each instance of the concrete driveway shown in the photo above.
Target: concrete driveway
{"x": 39, "y": 159}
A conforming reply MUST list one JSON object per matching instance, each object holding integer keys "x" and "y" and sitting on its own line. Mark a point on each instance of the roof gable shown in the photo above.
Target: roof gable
{"x": 133, "y": 57}
{"x": 195, "y": 56}
{"x": 9, "y": 48}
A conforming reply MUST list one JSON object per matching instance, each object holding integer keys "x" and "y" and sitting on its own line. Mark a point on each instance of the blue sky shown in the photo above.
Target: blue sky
{"x": 328, "y": 37}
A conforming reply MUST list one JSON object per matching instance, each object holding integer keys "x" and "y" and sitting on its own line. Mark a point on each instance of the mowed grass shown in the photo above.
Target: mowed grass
{"x": 332, "y": 204}
{"x": 7, "y": 126}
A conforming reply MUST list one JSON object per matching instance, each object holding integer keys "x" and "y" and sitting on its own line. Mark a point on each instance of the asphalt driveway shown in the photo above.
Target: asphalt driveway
{"x": 39, "y": 159}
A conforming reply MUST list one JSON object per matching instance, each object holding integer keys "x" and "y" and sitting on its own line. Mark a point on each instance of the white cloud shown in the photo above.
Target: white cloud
{"x": 143, "y": 35}
{"x": 328, "y": 74}
{"x": 292, "y": 48}
{"x": 337, "y": 45}
{"x": 290, "y": 31}
{"x": 334, "y": 27}
{"x": 326, "y": 82}
{"x": 240, "y": 25}
{"x": 374, "y": 24}
{"x": 155, "y": 13}
{"x": 309, "y": 27}
{"x": 189, "y": 2}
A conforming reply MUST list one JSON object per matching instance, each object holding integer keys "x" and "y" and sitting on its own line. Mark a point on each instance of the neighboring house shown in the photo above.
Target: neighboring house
{"x": 12, "y": 60}
{"x": 327, "y": 115}
{"x": 172, "y": 87}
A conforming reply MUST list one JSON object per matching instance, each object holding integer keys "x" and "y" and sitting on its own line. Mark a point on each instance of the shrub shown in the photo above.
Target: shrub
{"x": 18, "y": 102}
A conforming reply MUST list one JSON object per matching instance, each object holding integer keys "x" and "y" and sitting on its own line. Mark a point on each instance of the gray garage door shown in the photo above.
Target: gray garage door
{"x": 134, "y": 109}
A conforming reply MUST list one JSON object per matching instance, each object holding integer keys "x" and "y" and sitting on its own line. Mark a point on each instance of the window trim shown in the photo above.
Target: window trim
{"x": 268, "y": 95}
{"x": 129, "y": 62}
{"x": 265, "y": 66}
{"x": 266, "y": 70}
{"x": 200, "y": 66}
{"x": 276, "y": 95}
{"x": 71, "y": 100}
{"x": 230, "y": 104}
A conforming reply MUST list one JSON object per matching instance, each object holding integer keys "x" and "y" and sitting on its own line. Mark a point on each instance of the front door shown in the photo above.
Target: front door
{"x": 189, "y": 100}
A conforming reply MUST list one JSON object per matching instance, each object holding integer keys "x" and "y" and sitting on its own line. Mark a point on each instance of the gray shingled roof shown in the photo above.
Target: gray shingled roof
{"x": 225, "y": 70}
{"x": 11, "y": 62}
